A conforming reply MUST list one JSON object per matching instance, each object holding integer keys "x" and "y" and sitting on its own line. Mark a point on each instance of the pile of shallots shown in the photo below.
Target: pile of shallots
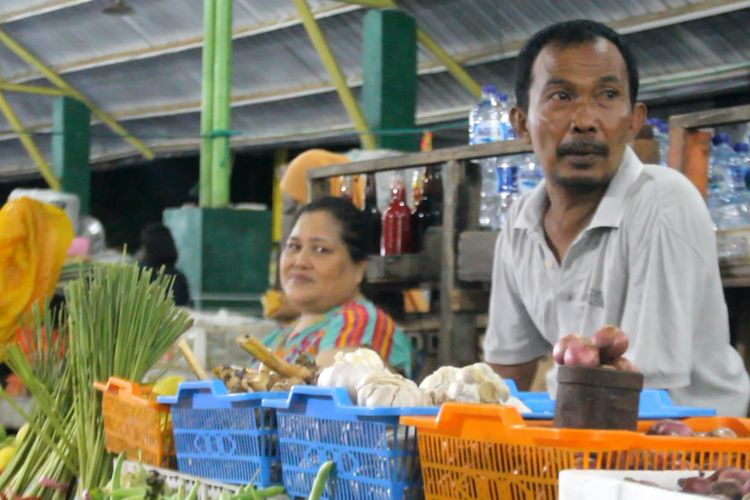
{"x": 605, "y": 349}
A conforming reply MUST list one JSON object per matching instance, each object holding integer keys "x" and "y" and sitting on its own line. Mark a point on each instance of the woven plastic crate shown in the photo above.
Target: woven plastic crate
{"x": 225, "y": 437}
{"x": 375, "y": 456}
{"x": 135, "y": 423}
{"x": 207, "y": 490}
{"x": 488, "y": 452}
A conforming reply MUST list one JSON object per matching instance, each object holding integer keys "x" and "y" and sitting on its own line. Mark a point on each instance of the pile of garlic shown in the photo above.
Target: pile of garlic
{"x": 477, "y": 383}
{"x": 369, "y": 383}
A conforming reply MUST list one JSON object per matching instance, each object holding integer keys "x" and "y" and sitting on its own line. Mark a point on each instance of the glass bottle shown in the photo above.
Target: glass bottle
{"x": 396, "y": 235}
{"x": 372, "y": 216}
{"x": 429, "y": 210}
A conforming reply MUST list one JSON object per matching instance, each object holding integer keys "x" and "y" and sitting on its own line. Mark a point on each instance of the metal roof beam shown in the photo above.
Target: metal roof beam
{"x": 21, "y": 52}
{"x": 493, "y": 53}
{"x": 655, "y": 86}
{"x": 191, "y": 43}
{"x": 40, "y": 9}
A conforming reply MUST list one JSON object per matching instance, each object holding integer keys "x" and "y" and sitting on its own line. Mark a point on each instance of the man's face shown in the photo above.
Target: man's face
{"x": 580, "y": 118}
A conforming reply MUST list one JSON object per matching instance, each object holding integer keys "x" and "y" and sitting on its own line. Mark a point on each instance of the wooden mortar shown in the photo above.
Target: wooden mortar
{"x": 597, "y": 398}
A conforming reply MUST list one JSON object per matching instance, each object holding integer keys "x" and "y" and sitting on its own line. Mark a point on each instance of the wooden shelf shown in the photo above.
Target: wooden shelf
{"x": 736, "y": 282}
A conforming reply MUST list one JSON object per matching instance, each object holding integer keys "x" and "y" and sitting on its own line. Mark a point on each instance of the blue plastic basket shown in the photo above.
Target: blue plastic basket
{"x": 375, "y": 456}
{"x": 225, "y": 437}
{"x": 654, "y": 404}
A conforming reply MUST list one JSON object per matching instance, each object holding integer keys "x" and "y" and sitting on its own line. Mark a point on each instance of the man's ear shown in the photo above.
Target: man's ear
{"x": 518, "y": 119}
{"x": 639, "y": 118}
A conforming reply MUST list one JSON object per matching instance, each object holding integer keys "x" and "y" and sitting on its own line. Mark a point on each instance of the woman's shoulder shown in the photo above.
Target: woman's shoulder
{"x": 361, "y": 307}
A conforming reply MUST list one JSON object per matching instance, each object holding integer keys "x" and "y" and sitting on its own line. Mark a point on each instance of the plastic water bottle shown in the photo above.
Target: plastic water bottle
{"x": 718, "y": 173}
{"x": 743, "y": 151}
{"x": 661, "y": 135}
{"x": 530, "y": 173}
{"x": 727, "y": 194}
{"x": 489, "y": 122}
{"x": 507, "y": 187}
{"x": 485, "y": 119}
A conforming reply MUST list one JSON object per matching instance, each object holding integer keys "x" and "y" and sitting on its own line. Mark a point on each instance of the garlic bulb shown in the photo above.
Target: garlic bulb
{"x": 346, "y": 375}
{"x": 463, "y": 392}
{"x": 436, "y": 384}
{"x": 361, "y": 356}
{"x": 491, "y": 387}
{"x": 387, "y": 389}
{"x": 517, "y": 404}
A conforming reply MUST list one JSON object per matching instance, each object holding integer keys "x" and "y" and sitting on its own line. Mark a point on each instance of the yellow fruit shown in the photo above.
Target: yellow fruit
{"x": 6, "y": 455}
{"x": 167, "y": 386}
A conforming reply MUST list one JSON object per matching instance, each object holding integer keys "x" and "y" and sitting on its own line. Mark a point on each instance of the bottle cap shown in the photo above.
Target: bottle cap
{"x": 488, "y": 89}
{"x": 719, "y": 139}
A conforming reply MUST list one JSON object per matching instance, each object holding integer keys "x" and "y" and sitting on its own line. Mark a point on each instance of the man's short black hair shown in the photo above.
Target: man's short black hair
{"x": 565, "y": 34}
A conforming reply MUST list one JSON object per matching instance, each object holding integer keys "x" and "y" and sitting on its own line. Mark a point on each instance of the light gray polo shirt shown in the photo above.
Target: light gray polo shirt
{"x": 647, "y": 263}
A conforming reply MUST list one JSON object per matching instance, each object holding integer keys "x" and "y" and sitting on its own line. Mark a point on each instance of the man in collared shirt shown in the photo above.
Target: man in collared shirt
{"x": 605, "y": 239}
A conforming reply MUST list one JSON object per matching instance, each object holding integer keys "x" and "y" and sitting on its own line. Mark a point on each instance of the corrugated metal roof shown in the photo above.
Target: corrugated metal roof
{"x": 146, "y": 70}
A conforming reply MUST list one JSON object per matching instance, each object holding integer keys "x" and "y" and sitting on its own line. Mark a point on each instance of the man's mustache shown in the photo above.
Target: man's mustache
{"x": 582, "y": 148}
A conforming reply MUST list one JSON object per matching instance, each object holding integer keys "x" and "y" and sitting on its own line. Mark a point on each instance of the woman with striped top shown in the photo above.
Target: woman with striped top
{"x": 321, "y": 269}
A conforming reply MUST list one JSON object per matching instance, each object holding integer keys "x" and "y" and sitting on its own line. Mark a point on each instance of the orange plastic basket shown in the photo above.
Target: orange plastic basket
{"x": 136, "y": 424}
{"x": 489, "y": 452}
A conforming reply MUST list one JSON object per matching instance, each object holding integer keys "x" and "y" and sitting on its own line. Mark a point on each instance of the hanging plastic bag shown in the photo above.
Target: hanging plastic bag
{"x": 34, "y": 239}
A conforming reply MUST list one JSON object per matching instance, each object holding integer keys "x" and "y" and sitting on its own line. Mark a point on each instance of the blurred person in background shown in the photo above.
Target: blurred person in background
{"x": 157, "y": 250}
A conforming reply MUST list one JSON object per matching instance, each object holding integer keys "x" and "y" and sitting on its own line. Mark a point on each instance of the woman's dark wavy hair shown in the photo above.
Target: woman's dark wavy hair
{"x": 158, "y": 246}
{"x": 351, "y": 220}
{"x": 565, "y": 34}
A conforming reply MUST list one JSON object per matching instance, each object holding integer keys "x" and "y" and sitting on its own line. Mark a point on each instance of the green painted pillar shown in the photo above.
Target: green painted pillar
{"x": 389, "y": 90}
{"x": 71, "y": 144}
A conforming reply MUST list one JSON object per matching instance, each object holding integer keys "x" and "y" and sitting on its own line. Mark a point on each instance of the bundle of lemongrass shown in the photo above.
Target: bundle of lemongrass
{"x": 44, "y": 463}
{"x": 120, "y": 321}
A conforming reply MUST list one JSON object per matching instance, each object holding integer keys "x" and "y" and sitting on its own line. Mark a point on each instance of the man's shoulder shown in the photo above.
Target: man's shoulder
{"x": 664, "y": 199}
{"x": 667, "y": 191}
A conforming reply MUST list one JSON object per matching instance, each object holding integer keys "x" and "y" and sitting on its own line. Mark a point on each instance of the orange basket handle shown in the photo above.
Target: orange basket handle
{"x": 116, "y": 385}
{"x": 452, "y": 416}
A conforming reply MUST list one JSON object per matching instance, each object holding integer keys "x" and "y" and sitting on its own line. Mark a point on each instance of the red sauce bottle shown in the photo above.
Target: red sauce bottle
{"x": 396, "y": 238}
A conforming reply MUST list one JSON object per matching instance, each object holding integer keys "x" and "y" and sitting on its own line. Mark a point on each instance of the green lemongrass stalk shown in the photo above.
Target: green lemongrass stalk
{"x": 49, "y": 438}
{"x": 121, "y": 321}
{"x": 47, "y": 402}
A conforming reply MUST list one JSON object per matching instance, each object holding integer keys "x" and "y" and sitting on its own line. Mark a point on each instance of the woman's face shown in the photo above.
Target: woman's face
{"x": 317, "y": 272}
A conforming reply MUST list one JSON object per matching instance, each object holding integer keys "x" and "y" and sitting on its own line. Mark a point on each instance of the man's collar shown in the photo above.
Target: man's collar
{"x": 610, "y": 209}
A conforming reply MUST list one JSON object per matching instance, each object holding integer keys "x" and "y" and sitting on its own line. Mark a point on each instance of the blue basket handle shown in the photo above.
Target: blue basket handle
{"x": 341, "y": 403}
{"x": 338, "y": 396}
{"x": 186, "y": 390}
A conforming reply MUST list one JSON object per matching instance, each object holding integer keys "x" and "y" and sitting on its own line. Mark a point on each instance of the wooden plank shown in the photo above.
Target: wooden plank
{"x": 420, "y": 159}
{"x": 476, "y": 301}
{"x": 451, "y": 179}
{"x": 405, "y": 268}
{"x": 476, "y": 250}
{"x": 736, "y": 282}
{"x": 695, "y": 151}
{"x": 712, "y": 117}
{"x": 676, "y": 143}
{"x": 317, "y": 188}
